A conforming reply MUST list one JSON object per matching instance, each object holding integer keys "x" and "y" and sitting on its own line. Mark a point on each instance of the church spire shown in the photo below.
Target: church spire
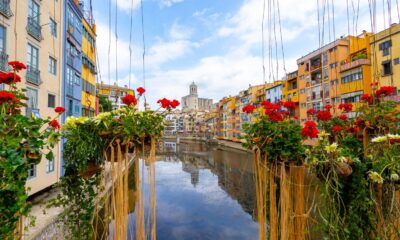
{"x": 193, "y": 89}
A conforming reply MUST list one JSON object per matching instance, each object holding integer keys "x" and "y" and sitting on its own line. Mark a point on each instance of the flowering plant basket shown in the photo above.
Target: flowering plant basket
{"x": 23, "y": 142}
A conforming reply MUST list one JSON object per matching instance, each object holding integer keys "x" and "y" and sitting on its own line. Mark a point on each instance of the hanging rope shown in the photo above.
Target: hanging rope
{"x": 280, "y": 31}
{"x": 144, "y": 53}
{"x": 130, "y": 45}
{"x": 263, "y": 42}
{"x": 109, "y": 43}
{"x": 116, "y": 46}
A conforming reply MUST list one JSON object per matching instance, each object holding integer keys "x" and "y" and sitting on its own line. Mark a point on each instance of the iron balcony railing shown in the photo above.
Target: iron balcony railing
{"x": 34, "y": 29}
{"x": 4, "y": 61}
{"x": 5, "y": 8}
{"x": 33, "y": 75}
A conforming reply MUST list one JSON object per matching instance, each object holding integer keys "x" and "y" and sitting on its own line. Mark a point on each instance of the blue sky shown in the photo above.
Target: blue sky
{"x": 216, "y": 43}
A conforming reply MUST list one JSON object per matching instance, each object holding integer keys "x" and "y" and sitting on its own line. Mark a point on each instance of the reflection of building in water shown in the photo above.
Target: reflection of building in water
{"x": 193, "y": 170}
{"x": 170, "y": 146}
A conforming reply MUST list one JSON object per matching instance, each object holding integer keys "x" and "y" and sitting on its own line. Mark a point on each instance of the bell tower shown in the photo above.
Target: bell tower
{"x": 193, "y": 89}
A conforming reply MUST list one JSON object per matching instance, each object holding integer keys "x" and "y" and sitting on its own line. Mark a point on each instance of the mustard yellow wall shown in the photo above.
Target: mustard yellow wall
{"x": 393, "y": 33}
{"x": 360, "y": 85}
{"x": 88, "y": 100}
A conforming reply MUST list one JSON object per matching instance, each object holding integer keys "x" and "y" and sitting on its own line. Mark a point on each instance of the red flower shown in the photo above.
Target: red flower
{"x": 59, "y": 110}
{"x": 337, "y": 129}
{"x": 385, "y": 90}
{"x": 248, "y": 109}
{"x": 174, "y": 103}
{"x": 375, "y": 84}
{"x": 16, "y": 65}
{"x": 129, "y": 100}
{"x": 310, "y": 129}
{"x": 324, "y": 116}
{"x": 269, "y": 106}
{"x": 367, "y": 98}
{"x": 289, "y": 105}
{"x": 285, "y": 112}
{"x": 54, "y": 124}
{"x": 279, "y": 103}
{"x": 346, "y": 107}
{"x": 343, "y": 117}
{"x": 8, "y": 78}
{"x": 6, "y": 96}
{"x": 393, "y": 141}
{"x": 328, "y": 107}
{"x": 359, "y": 122}
{"x": 296, "y": 117}
{"x": 140, "y": 90}
{"x": 165, "y": 103}
{"x": 275, "y": 116}
{"x": 311, "y": 111}
{"x": 354, "y": 130}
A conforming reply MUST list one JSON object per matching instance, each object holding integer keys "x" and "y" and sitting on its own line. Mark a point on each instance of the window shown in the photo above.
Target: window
{"x": 2, "y": 39}
{"x": 51, "y": 101}
{"x": 49, "y": 166}
{"x": 77, "y": 79}
{"x": 325, "y": 56}
{"x": 70, "y": 107}
{"x": 396, "y": 61}
{"x": 34, "y": 12}
{"x": 386, "y": 68}
{"x": 32, "y": 95}
{"x": 53, "y": 27}
{"x": 302, "y": 91}
{"x": 33, "y": 57}
{"x": 326, "y": 74}
{"x": 352, "y": 76}
{"x": 303, "y": 105}
{"x": 385, "y": 47}
{"x": 352, "y": 97}
{"x": 334, "y": 82}
{"x": 335, "y": 100}
{"x": 326, "y": 90}
{"x": 32, "y": 171}
{"x": 333, "y": 65}
{"x": 52, "y": 66}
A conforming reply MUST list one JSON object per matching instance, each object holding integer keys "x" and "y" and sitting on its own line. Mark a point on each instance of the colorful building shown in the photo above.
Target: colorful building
{"x": 290, "y": 90}
{"x": 89, "y": 100}
{"x": 385, "y": 55}
{"x": 35, "y": 39}
{"x": 319, "y": 77}
{"x": 72, "y": 58}
{"x": 273, "y": 92}
{"x": 114, "y": 93}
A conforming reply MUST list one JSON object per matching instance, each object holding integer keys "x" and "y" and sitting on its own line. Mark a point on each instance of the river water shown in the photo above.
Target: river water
{"x": 203, "y": 193}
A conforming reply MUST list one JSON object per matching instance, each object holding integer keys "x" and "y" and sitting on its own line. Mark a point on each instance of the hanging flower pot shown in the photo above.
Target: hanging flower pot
{"x": 343, "y": 169}
{"x": 91, "y": 169}
{"x": 33, "y": 157}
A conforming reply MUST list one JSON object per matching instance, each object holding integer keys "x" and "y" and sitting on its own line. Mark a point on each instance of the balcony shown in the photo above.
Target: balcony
{"x": 33, "y": 75}
{"x": 316, "y": 81}
{"x": 315, "y": 66}
{"x": 354, "y": 64}
{"x": 34, "y": 29}
{"x": 5, "y": 9}
{"x": 4, "y": 67}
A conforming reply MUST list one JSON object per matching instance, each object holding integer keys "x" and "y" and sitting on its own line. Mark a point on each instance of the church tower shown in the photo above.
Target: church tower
{"x": 193, "y": 89}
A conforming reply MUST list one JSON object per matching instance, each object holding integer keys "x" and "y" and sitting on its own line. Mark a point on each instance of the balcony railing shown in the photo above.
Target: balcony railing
{"x": 315, "y": 66}
{"x": 34, "y": 29}
{"x": 354, "y": 64}
{"x": 5, "y": 9}
{"x": 4, "y": 61}
{"x": 316, "y": 81}
{"x": 33, "y": 75}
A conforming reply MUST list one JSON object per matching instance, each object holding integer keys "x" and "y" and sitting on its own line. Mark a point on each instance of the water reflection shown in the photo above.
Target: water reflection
{"x": 203, "y": 193}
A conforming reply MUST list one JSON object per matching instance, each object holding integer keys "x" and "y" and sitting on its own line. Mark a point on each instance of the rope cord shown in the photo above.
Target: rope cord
{"x": 263, "y": 42}
{"x": 130, "y": 45}
{"x": 144, "y": 53}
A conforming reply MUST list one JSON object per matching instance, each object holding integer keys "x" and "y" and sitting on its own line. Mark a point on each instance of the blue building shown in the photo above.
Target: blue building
{"x": 273, "y": 93}
{"x": 72, "y": 58}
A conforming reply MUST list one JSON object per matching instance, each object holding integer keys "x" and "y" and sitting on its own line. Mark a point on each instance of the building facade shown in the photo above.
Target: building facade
{"x": 32, "y": 34}
{"x": 114, "y": 93}
{"x": 192, "y": 102}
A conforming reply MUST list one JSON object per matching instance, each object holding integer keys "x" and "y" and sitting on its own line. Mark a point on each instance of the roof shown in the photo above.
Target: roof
{"x": 116, "y": 87}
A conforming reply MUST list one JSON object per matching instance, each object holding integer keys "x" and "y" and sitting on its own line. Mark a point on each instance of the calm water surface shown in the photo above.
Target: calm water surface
{"x": 204, "y": 193}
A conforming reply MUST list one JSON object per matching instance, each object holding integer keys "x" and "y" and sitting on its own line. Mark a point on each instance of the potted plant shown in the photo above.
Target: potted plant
{"x": 23, "y": 141}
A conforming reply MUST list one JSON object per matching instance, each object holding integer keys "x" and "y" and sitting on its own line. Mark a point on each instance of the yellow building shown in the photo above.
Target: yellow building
{"x": 88, "y": 67}
{"x": 385, "y": 48}
{"x": 290, "y": 90}
{"x": 35, "y": 38}
{"x": 114, "y": 93}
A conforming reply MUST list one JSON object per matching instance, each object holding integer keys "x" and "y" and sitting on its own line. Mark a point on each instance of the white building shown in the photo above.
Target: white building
{"x": 192, "y": 102}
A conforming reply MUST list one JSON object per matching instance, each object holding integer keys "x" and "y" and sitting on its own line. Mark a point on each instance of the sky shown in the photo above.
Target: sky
{"x": 218, "y": 43}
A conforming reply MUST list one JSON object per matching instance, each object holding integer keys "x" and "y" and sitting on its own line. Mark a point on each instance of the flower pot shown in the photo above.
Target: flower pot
{"x": 33, "y": 157}
{"x": 343, "y": 169}
{"x": 91, "y": 169}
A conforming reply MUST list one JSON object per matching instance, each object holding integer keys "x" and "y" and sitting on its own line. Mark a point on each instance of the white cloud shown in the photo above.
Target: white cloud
{"x": 169, "y": 3}
{"x": 178, "y": 31}
{"x": 127, "y": 5}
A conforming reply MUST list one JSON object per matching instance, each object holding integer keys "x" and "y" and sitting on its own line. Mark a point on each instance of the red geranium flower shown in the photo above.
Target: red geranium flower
{"x": 140, "y": 90}
{"x": 165, "y": 103}
{"x": 285, "y": 112}
{"x": 248, "y": 109}
{"x": 343, "y": 117}
{"x": 269, "y": 106}
{"x": 346, "y": 107}
{"x": 129, "y": 100}
{"x": 289, "y": 105}
{"x": 8, "y": 78}
{"x": 6, "y": 96}
{"x": 328, "y": 107}
{"x": 275, "y": 116}
{"x": 354, "y": 130}
{"x": 16, "y": 65}
{"x": 385, "y": 90}
{"x": 311, "y": 111}
{"x": 337, "y": 129}
{"x": 367, "y": 98}
{"x": 59, "y": 110}
{"x": 174, "y": 103}
{"x": 324, "y": 115}
{"x": 359, "y": 122}
{"x": 54, "y": 124}
{"x": 296, "y": 117}
{"x": 310, "y": 129}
